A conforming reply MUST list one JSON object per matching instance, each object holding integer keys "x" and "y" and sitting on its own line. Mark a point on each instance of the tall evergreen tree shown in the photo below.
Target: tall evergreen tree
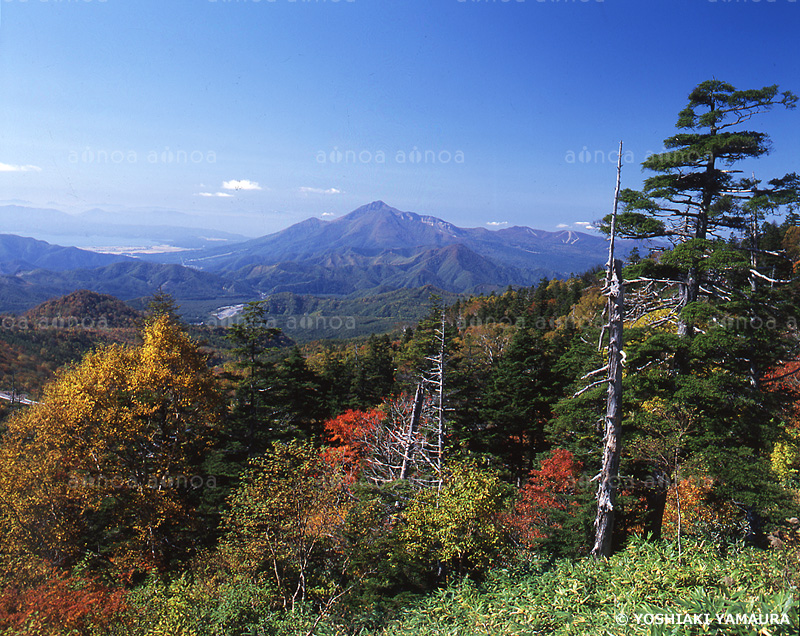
{"x": 695, "y": 201}
{"x": 518, "y": 400}
{"x": 253, "y": 340}
{"x": 373, "y": 379}
{"x": 705, "y": 327}
{"x": 295, "y": 400}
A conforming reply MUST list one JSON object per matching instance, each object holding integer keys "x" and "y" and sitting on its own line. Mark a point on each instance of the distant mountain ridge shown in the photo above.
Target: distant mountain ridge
{"x": 377, "y": 247}
{"x": 111, "y": 228}
{"x": 128, "y": 280}
{"x": 372, "y": 250}
{"x": 376, "y": 227}
{"x": 19, "y": 254}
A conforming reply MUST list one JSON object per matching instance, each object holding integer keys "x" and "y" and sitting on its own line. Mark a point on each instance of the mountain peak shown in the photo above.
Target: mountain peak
{"x": 376, "y": 205}
{"x": 377, "y": 244}
{"x": 371, "y": 208}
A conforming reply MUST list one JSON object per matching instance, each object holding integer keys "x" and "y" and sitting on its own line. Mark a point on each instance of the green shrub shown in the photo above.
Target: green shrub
{"x": 605, "y": 597}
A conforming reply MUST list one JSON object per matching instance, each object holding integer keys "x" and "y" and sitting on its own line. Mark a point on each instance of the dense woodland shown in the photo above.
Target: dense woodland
{"x": 440, "y": 479}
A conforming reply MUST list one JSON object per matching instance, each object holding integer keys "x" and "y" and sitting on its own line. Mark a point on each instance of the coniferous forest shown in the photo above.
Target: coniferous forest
{"x": 176, "y": 480}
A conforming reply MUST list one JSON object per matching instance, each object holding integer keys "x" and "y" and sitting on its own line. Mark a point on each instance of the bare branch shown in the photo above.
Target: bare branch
{"x": 595, "y": 372}
{"x": 778, "y": 281}
{"x": 590, "y": 386}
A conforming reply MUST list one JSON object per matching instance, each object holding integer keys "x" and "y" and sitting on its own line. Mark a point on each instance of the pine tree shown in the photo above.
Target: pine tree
{"x": 707, "y": 315}
{"x": 695, "y": 201}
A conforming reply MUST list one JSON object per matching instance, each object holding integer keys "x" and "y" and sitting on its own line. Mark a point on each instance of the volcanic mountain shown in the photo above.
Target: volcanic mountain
{"x": 373, "y": 250}
{"x": 377, "y": 247}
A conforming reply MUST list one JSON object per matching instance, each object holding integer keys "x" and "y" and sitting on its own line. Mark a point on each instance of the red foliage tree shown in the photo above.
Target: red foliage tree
{"x": 349, "y": 433}
{"x": 549, "y": 493}
{"x": 61, "y": 605}
{"x": 785, "y": 378}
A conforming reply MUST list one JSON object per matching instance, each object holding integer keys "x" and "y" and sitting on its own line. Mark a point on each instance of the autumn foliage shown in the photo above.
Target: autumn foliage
{"x": 349, "y": 433}
{"x": 61, "y": 605}
{"x": 690, "y": 510}
{"x": 286, "y": 520}
{"x": 785, "y": 380}
{"x": 99, "y": 468}
{"x": 547, "y": 498}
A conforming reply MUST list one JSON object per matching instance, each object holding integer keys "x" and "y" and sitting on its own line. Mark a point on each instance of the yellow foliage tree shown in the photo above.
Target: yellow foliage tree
{"x": 286, "y": 519}
{"x": 785, "y": 458}
{"x": 462, "y": 526}
{"x": 105, "y": 465}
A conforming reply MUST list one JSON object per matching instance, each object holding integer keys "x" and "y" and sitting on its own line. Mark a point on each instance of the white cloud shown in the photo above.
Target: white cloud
{"x": 214, "y": 194}
{"x": 7, "y": 167}
{"x": 580, "y": 225}
{"x": 328, "y": 214}
{"x": 496, "y": 223}
{"x": 240, "y": 184}
{"x": 306, "y": 190}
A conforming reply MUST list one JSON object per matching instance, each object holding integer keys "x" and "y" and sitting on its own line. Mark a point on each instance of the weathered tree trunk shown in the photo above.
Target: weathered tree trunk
{"x": 440, "y": 425}
{"x": 413, "y": 426}
{"x": 607, "y": 487}
{"x": 689, "y": 294}
{"x": 754, "y": 370}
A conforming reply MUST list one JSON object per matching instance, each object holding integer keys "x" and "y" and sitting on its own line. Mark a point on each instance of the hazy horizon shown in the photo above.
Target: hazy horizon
{"x": 109, "y": 243}
{"x": 257, "y": 115}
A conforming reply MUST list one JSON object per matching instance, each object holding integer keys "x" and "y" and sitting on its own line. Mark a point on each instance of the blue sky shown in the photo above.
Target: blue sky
{"x": 258, "y": 114}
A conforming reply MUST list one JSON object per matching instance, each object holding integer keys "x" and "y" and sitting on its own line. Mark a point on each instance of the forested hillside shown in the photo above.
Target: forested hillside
{"x": 442, "y": 479}
{"x": 271, "y": 494}
{"x": 58, "y": 332}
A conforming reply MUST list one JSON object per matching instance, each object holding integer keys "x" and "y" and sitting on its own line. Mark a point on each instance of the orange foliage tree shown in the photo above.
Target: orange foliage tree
{"x": 689, "y": 510}
{"x": 349, "y": 434}
{"x": 60, "y": 606}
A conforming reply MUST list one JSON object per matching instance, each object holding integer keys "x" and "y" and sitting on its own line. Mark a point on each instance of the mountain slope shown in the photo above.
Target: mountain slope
{"x": 18, "y": 253}
{"x": 86, "y": 308}
{"x": 135, "y": 279}
{"x": 124, "y": 280}
{"x": 377, "y": 245}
